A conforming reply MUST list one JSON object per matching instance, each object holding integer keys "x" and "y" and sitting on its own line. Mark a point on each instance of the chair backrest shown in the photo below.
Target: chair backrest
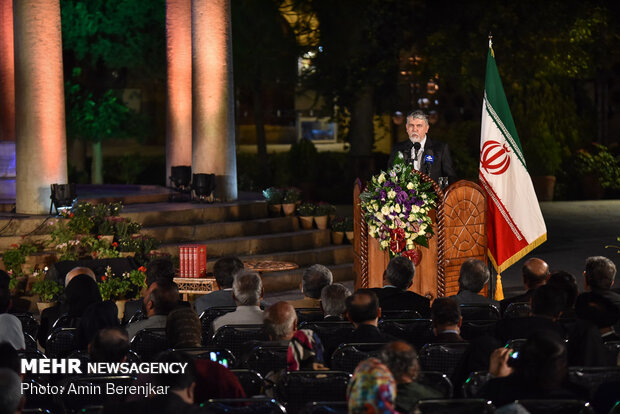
{"x": 60, "y": 343}
{"x": 221, "y": 355}
{"x": 31, "y": 343}
{"x": 442, "y": 357}
{"x": 415, "y": 331}
{"x": 479, "y": 312}
{"x": 235, "y": 337}
{"x": 251, "y": 381}
{"x": 592, "y": 377}
{"x": 328, "y": 331}
{"x": 244, "y": 406}
{"x": 66, "y": 321}
{"x": 30, "y": 325}
{"x": 475, "y": 382}
{"x": 147, "y": 343}
{"x": 309, "y": 314}
{"x": 137, "y": 316}
{"x": 437, "y": 381}
{"x": 614, "y": 349}
{"x": 474, "y": 329}
{"x": 93, "y": 391}
{"x": 556, "y": 406}
{"x": 265, "y": 358}
{"x": 400, "y": 314}
{"x": 347, "y": 356}
{"x": 208, "y": 316}
{"x": 517, "y": 310}
{"x": 516, "y": 344}
{"x": 297, "y": 388}
{"x": 326, "y": 407}
{"x": 454, "y": 406}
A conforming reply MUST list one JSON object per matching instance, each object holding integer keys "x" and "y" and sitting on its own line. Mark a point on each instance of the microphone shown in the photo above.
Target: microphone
{"x": 416, "y": 146}
{"x": 428, "y": 161}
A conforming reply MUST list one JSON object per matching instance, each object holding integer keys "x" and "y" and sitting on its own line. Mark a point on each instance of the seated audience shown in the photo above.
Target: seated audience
{"x": 110, "y": 344}
{"x": 599, "y": 276}
{"x": 567, "y": 283}
{"x": 247, "y": 293}
{"x": 224, "y": 270}
{"x": 314, "y": 279}
{"x": 447, "y": 320}
{"x": 11, "y": 331}
{"x": 474, "y": 274}
{"x": 397, "y": 278}
{"x": 156, "y": 269}
{"x": 372, "y": 389}
{"x": 535, "y": 273}
{"x": 280, "y": 322}
{"x": 163, "y": 298}
{"x": 97, "y": 316}
{"x": 11, "y": 398}
{"x": 80, "y": 270}
{"x": 333, "y": 302}
{"x": 80, "y": 293}
{"x": 601, "y": 312}
{"x": 402, "y": 360}
{"x": 539, "y": 371}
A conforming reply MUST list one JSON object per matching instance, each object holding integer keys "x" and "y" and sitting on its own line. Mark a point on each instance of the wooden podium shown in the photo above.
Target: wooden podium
{"x": 459, "y": 224}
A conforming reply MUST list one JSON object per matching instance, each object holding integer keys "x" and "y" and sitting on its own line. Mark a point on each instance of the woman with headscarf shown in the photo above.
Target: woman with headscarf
{"x": 372, "y": 389}
{"x": 11, "y": 331}
{"x": 96, "y": 316}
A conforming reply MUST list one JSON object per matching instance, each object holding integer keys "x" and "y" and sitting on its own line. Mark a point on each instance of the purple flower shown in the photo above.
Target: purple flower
{"x": 383, "y": 194}
{"x": 401, "y": 197}
{"x": 397, "y": 188}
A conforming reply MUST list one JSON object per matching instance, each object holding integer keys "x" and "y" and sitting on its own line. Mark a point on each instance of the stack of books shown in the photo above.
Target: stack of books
{"x": 193, "y": 260}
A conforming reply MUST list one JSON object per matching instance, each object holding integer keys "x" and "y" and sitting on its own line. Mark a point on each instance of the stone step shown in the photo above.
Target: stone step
{"x": 290, "y": 279}
{"x": 8, "y": 242}
{"x": 220, "y": 230}
{"x": 259, "y": 244}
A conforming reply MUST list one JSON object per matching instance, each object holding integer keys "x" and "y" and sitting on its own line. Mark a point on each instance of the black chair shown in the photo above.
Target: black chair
{"x": 517, "y": 310}
{"x": 474, "y": 329}
{"x": 221, "y": 355}
{"x": 30, "y": 325}
{"x": 251, "y": 381}
{"x": 97, "y": 395}
{"x": 442, "y": 357}
{"x": 149, "y": 342}
{"x": 475, "y": 382}
{"x": 208, "y": 316}
{"x": 309, "y": 315}
{"x": 516, "y": 344}
{"x": 66, "y": 321}
{"x": 326, "y": 407}
{"x": 265, "y": 358}
{"x": 31, "y": 343}
{"x": 235, "y": 337}
{"x": 84, "y": 356}
{"x": 592, "y": 377}
{"x": 60, "y": 343}
{"x": 437, "y": 381}
{"x": 400, "y": 314}
{"x": 244, "y": 406}
{"x": 36, "y": 410}
{"x": 479, "y": 312}
{"x": 455, "y": 406}
{"x": 415, "y": 331}
{"x": 297, "y": 388}
{"x": 614, "y": 349}
{"x": 137, "y": 316}
{"x": 328, "y": 331}
{"x": 556, "y": 406}
{"x": 347, "y": 356}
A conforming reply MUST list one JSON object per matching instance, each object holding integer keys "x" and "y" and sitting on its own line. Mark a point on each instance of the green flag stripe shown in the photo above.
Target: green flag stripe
{"x": 498, "y": 122}
{"x": 496, "y": 98}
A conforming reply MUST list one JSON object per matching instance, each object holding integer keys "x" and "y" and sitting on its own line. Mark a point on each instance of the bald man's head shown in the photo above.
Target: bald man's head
{"x": 79, "y": 271}
{"x": 280, "y": 321}
{"x": 535, "y": 273}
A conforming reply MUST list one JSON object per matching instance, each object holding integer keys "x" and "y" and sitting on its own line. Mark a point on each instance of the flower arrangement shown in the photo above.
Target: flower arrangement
{"x": 15, "y": 257}
{"x": 324, "y": 209}
{"x": 306, "y": 209}
{"x": 338, "y": 224}
{"x": 47, "y": 289}
{"x": 396, "y": 206}
{"x": 126, "y": 286}
{"x": 291, "y": 195}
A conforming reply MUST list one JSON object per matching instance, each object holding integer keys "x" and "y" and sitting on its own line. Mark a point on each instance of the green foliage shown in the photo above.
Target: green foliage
{"x": 15, "y": 257}
{"x": 601, "y": 164}
{"x": 339, "y": 224}
{"x": 348, "y": 224}
{"x": 47, "y": 289}
{"x": 291, "y": 195}
{"x": 273, "y": 195}
{"x": 324, "y": 209}
{"x": 306, "y": 209}
{"x": 114, "y": 287}
{"x": 141, "y": 245}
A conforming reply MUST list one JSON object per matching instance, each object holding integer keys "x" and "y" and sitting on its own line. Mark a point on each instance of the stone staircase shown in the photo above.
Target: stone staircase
{"x": 242, "y": 228}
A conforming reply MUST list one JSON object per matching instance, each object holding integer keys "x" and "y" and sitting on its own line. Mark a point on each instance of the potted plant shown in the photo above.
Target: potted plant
{"x": 544, "y": 158}
{"x": 274, "y": 198}
{"x": 322, "y": 212}
{"x": 348, "y": 228}
{"x": 14, "y": 260}
{"x": 292, "y": 196}
{"x": 338, "y": 228}
{"x": 306, "y": 213}
{"x": 599, "y": 170}
{"x": 48, "y": 290}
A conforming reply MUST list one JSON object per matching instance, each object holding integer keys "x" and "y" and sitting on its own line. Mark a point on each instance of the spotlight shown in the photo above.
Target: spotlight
{"x": 203, "y": 186}
{"x": 180, "y": 178}
{"x": 63, "y": 197}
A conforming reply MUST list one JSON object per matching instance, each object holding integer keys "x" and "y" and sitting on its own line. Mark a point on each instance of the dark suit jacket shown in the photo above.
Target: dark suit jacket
{"x": 363, "y": 334}
{"x": 442, "y": 164}
{"x": 519, "y": 328}
{"x": 524, "y": 298}
{"x": 391, "y": 298}
{"x": 447, "y": 338}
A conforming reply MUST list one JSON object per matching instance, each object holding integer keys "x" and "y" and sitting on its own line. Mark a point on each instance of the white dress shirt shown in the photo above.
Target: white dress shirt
{"x": 417, "y": 161}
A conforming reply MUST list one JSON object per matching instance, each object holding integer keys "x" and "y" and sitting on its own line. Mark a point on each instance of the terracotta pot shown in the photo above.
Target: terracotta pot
{"x": 288, "y": 209}
{"x": 41, "y": 306}
{"x": 108, "y": 237}
{"x": 126, "y": 254}
{"x": 350, "y": 236}
{"x": 274, "y": 209}
{"x": 305, "y": 222}
{"x": 120, "y": 304}
{"x": 321, "y": 222}
{"x": 337, "y": 237}
{"x": 544, "y": 186}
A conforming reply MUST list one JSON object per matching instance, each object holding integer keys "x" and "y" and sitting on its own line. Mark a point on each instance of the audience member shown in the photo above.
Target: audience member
{"x": 11, "y": 398}
{"x": 447, "y": 320}
{"x": 402, "y": 360}
{"x": 535, "y": 273}
{"x": 600, "y": 274}
{"x": 9, "y": 358}
{"x": 280, "y": 322}
{"x": 80, "y": 270}
{"x": 474, "y": 274}
{"x": 314, "y": 279}
{"x": 247, "y": 293}
{"x": 601, "y": 312}
{"x": 333, "y": 302}
{"x": 397, "y": 278}
{"x": 372, "y": 389}
{"x": 567, "y": 283}
{"x": 224, "y": 270}
{"x": 5, "y": 299}
{"x": 11, "y": 331}
{"x": 109, "y": 344}
{"x": 163, "y": 298}
{"x": 156, "y": 269}
{"x": 97, "y": 316}
{"x": 305, "y": 352}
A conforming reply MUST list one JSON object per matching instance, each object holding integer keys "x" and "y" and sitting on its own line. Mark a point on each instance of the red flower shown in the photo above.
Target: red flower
{"x": 397, "y": 234}
{"x": 114, "y": 244}
{"x": 413, "y": 255}
{"x": 15, "y": 245}
{"x": 103, "y": 278}
{"x": 142, "y": 269}
{"x": 396, "y": 246}
{"x": 71, "y": 215}
{"x": 100, "y": 237}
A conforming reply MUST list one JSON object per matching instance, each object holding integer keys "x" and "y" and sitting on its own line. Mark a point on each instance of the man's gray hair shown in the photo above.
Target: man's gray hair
{"x": 600, "y": 272}
{"x": 279, "y": 320}
{"x": 314, "y": 279}
{"x": 399, "y": 360}
{"x": 474, "y": 275}
{"x": 10, "y": 391}
{"x": 247, "y": 287}
{"x": 418, "y": 114}
{"x": 333, "y": 299}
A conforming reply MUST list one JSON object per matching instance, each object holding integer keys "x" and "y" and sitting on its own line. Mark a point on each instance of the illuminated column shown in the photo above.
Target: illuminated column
{"x": 41, "y": 151}
{"x": 179, "y": 100}
{"x": 213, "y": 132}
{"x": 7, "y": 72}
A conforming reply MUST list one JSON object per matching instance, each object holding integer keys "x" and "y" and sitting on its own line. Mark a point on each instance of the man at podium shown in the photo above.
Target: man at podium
{"x": 428, "y": 156}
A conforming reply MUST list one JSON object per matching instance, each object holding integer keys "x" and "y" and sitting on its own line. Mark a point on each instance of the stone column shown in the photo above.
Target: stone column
{"x": 41, "y": 148}
{"x": 179, "y": 86}
{"x": 7, "y": 72}
{"x": 213, "y": 132}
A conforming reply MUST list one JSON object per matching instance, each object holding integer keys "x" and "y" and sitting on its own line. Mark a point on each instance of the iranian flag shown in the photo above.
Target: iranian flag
{"x": 515, "y": 224}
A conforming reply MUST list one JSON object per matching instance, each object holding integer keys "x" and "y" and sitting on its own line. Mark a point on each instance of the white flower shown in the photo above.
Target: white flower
{"x": 391, "y": 194}
{"x": 385, "y": 210}
{"x": 397, "y": 208}
{"x": 410, "y": 186}
{"x": 384, "y": 244}
{"x": 415, "y": 209}
{"x": 381, "y": 178}
{"x": 423, "y": 227}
